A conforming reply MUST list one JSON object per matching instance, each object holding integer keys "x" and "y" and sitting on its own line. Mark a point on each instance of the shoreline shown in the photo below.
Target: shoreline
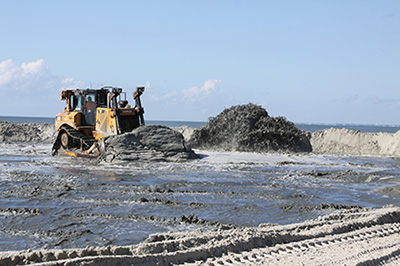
{"x": 308, "y": 127}
{"x": 328, "y": 141}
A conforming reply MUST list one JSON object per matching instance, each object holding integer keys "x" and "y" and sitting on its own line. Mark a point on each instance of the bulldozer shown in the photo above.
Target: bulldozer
{"x": 91, "y": 115}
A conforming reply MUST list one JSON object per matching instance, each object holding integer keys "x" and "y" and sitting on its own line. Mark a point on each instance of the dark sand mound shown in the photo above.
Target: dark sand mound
{"x": 249, "y": 128}
{"x": 31, "y": 132}
{"x": 149, "y": 143}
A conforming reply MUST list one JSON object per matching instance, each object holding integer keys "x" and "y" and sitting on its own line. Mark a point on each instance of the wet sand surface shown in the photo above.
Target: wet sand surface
{"x": 311, "y": 207}
{"x": 350, "y": 237}
{"x": 63, "y": 202}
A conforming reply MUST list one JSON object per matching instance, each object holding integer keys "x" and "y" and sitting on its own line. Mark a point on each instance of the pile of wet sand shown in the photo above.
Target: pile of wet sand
{"x": 249, "y": 128}
{"x": 31, "y": 132}
{"x": 345, "y": 141}
{"x": 147, "y": 143}
{"x": 346, "y": 237}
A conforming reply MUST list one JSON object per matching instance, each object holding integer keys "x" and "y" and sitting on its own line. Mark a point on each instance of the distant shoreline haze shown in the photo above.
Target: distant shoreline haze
{"x": 195, "y": 124}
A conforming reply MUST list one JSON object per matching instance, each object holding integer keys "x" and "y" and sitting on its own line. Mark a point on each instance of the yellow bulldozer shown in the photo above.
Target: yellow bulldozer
{"x": 92, "y": 114}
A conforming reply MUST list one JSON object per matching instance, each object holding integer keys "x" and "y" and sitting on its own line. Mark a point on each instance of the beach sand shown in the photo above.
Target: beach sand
{"x": 345, "y": 141}
{"x": 347, "y": 237}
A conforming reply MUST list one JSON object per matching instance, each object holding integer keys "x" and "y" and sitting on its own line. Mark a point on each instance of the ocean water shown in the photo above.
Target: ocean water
{"x": 65, "y": 202}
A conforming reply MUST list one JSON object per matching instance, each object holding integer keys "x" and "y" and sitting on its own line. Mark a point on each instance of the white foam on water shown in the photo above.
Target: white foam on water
{"x": 226, "y": 160}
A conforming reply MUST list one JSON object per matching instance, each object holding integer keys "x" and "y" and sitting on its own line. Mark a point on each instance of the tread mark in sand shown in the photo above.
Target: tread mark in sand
{"x": 263, "y": 254}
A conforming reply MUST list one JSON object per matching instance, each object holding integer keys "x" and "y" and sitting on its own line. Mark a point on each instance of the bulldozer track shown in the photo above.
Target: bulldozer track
{"x": 76, "y": 136}
{"x": 375, "y": 245}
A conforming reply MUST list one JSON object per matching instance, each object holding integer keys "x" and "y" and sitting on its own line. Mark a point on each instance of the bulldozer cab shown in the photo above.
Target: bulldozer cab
{"x": 103, "y": 111}
{"x": 86, "y": 103}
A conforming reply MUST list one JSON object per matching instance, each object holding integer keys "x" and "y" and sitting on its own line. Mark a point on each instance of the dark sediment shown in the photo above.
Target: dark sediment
{"x": 249, "y": 128}
{"x": 149, "y": 143}
{"x": 31, "y": 132}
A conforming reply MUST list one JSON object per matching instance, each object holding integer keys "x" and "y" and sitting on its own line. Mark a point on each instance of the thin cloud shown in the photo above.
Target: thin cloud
{"x": 170, "y": 96}
{"x": 348, "y": 99}
{"x": 31, "y": 77}
{"x": 385, "y": 101}
{"x": 208, "y": 87}
{"x": 193, "y": 104}
{"x": 70, "y": 82}
{"x": 147, "y": 86}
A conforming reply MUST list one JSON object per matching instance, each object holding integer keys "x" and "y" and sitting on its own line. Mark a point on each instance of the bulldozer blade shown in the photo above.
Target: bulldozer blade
{"x": 79, "y": 154}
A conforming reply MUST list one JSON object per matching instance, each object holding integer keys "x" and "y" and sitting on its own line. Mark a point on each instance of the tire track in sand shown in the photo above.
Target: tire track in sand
{"x": 367, "y": 246}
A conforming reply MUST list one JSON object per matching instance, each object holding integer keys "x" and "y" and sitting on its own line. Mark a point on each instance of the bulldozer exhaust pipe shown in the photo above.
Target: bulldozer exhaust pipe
{"x": 138, "y": 104}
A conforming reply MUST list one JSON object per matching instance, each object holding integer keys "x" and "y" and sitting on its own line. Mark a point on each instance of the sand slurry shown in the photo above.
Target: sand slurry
{"x": 346, "y": 237}
{"x": 31, "y": 132}
{"x": 249, "y": 128}
{"x": 147, "y": 143}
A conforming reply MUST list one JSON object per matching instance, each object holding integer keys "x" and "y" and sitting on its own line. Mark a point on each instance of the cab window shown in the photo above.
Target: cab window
{"x": 90, "y": 101}
{"x": 102, "y": 99}
{"x": 76, "y": 103}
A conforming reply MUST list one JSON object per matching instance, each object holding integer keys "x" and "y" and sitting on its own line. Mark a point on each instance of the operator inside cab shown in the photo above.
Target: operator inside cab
{"x": 90, "y": 105}
{"x": 90, "y": 110}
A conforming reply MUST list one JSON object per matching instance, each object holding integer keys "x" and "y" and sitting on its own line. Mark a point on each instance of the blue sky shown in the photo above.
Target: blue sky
{"x": 310, "y": 61}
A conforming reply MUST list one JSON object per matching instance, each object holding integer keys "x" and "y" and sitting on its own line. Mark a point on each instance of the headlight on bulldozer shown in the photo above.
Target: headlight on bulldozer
{"x": 58, "y": 118}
